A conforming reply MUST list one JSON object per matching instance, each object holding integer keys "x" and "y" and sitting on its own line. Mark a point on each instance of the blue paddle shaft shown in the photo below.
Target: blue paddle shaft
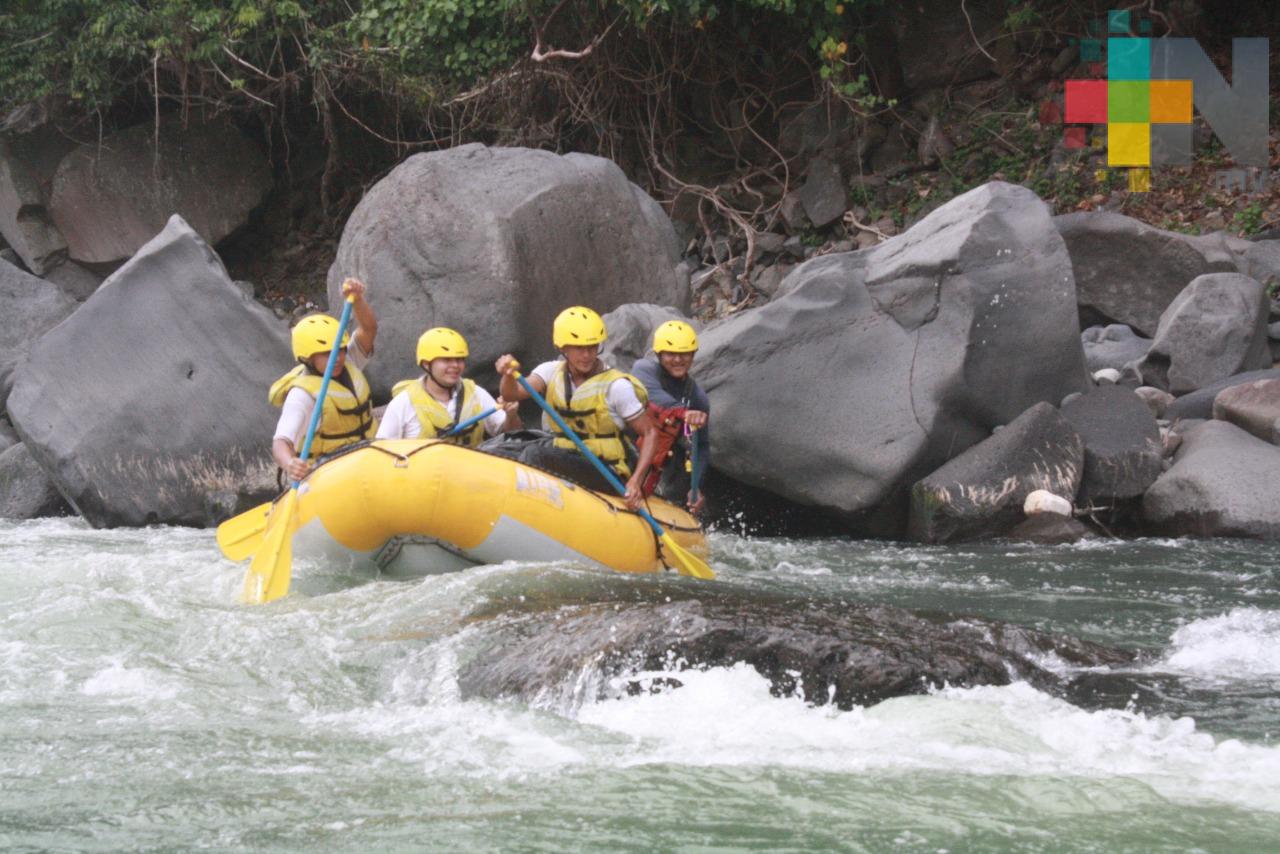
{"x": 586, "y": 452}
{"x": 465, "y": 424}
{"x": 324, "y": 383}
{"x": 693, "y": 464}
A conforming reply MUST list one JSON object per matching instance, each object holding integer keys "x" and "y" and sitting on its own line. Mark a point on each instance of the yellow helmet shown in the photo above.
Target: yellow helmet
{"x": 314, "y": 334}
{"x": 578, "y": 326}
{"x": 441, "y": 343}
{"x": 675, "y": 336}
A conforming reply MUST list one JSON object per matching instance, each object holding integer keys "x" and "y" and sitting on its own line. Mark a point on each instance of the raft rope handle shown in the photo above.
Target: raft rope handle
{"x": 403, "y": 459}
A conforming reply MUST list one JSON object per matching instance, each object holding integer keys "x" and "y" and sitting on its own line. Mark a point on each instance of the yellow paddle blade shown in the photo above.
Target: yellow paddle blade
{"x": 267, "y": 577}
{"x": 240, "y": 536}
{"x": 687, "y": 562}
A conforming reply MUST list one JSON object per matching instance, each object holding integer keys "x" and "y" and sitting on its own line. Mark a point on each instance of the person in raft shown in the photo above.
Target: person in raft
{"x": 347, "y": 416}
{"x": 676, "y": 401}
{"x": 441, "y": 399}
{"x": 598, "y": 402}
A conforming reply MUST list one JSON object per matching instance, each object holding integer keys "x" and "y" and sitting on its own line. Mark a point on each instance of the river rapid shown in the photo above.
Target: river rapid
{"x": 141, "y": 707}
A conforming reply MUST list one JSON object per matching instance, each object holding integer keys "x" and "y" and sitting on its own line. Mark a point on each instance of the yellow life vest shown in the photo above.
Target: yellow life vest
{"x": 434, "y": 416}
{"x": 588, "y": 414}
{"x": 347, "y": 417}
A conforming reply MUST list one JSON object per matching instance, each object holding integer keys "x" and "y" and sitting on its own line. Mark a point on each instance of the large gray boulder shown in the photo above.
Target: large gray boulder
{"x": 73, "y": 280}
{"x": 24, "y": 216}
{"x": 1112, "y": 346}
{"x": 631, "y": 331}
{"x": 1199, "y": 403}
{"x": 1215, "y": 327}
{"x": 28, "y": 308}
{"x": 1122, "y": 449}
{"x": 981, "y": 492}
{"x": 934, "y": 46}
{"x": 1253, "y": 407}
{"x": 1128, "y": 272}
{"x": 1223, "y": 483}
{"x": 496, "y": 242}
{"x": 26, "y": 490}
{"x": 111, "y": 197}
{"x": 151, "y": 398}
{"x": 877, "y": 366}
{"x": 8, "y": 437}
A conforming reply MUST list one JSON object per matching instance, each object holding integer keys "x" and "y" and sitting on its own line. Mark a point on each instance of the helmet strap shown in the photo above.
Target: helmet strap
{"x": 426, "y": 366}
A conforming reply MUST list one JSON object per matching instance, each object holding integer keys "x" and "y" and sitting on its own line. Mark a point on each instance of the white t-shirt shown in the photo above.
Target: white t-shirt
{"x": 295, "y": 415}
{"x": 400, "y": 421}
{"x": 620, "y": 396}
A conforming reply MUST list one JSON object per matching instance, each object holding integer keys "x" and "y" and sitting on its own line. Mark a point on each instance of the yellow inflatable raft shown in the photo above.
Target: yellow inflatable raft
{"x": 414, "y": 507}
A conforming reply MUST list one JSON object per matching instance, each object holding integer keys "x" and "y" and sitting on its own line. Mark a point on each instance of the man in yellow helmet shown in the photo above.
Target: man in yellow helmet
{"x": 598, "y": 402}
{"x": 674, "y": 392}
{"x": 347, "y": 416}
{"x": 440, "y": 399}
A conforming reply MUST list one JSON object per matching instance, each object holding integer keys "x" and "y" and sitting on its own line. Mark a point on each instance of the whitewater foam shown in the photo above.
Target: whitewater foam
{"x": 1241, "y": 644}
{"x": 728, "y": 717}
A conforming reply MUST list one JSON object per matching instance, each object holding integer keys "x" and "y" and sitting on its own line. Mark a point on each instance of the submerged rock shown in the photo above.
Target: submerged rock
{"x": 1050, "y": 529}
{"x": 848, "y": 654}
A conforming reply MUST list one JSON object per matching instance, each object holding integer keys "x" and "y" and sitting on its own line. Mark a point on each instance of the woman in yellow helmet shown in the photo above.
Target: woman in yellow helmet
{"x": 347, "y": 416}
{"x": 597, "y": 401}
{"x": 671, "y": 388}
{"x": 440, "y": 399}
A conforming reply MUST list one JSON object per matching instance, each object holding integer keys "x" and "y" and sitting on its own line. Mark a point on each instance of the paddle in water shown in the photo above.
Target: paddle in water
{"x": 268, "y": 575}
{"x": 685, "y": 561}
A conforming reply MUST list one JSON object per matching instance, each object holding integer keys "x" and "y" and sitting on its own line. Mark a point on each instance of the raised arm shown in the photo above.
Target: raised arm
{"x": 366, "y": 320}
{"x": 508, "y": 388}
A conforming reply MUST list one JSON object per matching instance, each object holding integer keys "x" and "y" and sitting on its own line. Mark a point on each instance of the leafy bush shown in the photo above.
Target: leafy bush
{"x": 95, "y": 52}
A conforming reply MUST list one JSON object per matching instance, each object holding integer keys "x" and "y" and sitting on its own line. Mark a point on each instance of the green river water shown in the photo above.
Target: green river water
{"x": 141, "y": 708}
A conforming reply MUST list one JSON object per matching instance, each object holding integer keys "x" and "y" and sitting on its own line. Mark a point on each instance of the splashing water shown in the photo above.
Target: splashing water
{"x": 140, "y": 706}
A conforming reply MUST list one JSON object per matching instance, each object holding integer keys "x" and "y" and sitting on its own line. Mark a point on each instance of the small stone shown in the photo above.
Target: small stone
{"x": 1043, "y": 501}
{"x": 721, "y": 249}
{"x": 1109, "y": 376}
{"x": 1214, "y": 221}
{"x": 768, "y": 241}
{"x": 823, "y": 194}
{"x": 792, "y": 211}
{"x": 865, "y": 240}
{"x": 1157, "y": 400}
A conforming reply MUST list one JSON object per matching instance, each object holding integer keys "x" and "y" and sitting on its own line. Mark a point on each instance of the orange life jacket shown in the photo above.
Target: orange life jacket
{"x": 670, "y": 422}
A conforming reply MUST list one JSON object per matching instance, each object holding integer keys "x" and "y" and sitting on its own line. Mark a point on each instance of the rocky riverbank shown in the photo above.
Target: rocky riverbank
{"x": 927, "y": 385}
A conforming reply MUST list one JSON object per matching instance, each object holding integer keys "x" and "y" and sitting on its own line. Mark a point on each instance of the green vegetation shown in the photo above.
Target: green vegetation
{"x": 96, "y": 52}
{"x": 1249, "y": 218}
